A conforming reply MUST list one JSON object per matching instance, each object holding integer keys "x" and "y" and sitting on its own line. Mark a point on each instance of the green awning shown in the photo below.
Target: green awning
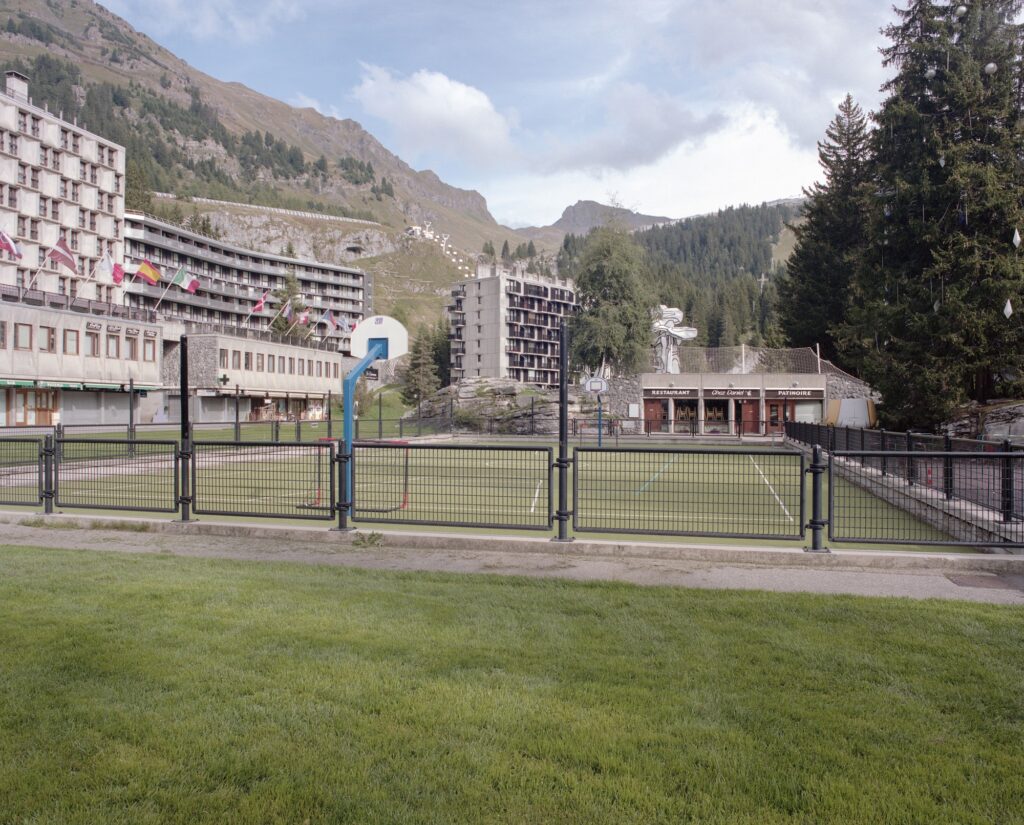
{"x": 103, "y": 386}
{"x": 58, "y": 385}
{"x": 8, "y": 382}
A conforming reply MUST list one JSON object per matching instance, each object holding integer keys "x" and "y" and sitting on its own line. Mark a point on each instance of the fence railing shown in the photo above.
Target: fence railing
{"x": 730, "y": 493}
{"x": 890, "y": 497}
{"x": 451, "y": 485}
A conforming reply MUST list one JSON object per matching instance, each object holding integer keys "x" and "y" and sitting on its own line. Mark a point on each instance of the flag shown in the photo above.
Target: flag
{"x": 1008, "y": 309}
{"x": 304, "y": 317}
{"x": 62, "y": 254}
{"x": 7, "y": 243}
{"x": 286, "y": 313}
{"x": 149, "y": 273}
{"x": 346, "y": 327}
{"x": 328, "y": 318}
{"x": 189, "y": 283}
{"x": 108, "y": 269}
{"x": 260, "y": 303}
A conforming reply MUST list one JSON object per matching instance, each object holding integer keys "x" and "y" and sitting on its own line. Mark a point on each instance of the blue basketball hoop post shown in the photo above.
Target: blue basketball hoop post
{"x": 376, "y": 349}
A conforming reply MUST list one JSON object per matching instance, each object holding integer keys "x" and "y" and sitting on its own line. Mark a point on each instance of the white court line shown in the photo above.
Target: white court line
{"x": 766, "y": 481}
{"x": 653, "y": 478}
{"x": 536, "y": 493}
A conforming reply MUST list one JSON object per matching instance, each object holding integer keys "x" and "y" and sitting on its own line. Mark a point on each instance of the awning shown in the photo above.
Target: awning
{"x": 58, "y": 385}
{"x": 103, "y": 386}
{"x": 9, "y": 382}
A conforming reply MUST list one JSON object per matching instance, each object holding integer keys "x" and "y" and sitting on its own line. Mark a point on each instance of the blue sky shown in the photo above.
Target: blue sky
{"x": 669, "y": 107}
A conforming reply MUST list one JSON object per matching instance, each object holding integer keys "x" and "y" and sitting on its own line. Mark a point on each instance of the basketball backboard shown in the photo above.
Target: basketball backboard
{"x": 380, "y": 327}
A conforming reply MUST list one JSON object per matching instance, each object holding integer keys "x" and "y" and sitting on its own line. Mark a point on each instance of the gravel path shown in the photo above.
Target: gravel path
{"x": 650, "y": 565}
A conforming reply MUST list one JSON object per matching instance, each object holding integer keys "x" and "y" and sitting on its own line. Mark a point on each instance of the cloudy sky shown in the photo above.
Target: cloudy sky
{"x": 669, "y": 107}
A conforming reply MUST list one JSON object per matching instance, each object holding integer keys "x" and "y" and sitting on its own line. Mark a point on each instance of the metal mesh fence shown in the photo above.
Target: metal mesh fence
{"x": 938, "y": 498}
{"x": 499, "y": 487}
{"x": 286, "y": 480}
{"x": 21, "y": 471}
{"x": 117, "y": 474}
{"x": 732, "y": 493}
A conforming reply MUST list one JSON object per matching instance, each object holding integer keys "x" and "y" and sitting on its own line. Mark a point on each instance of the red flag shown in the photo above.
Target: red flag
{"x": 7, "y": 244}
{"x": 63, "y": 255}
{"x": 117, "y": 273}
{"x": 149, "y": 273}
{"x": 260, "y": 303}
{"x": 304, "y": 318}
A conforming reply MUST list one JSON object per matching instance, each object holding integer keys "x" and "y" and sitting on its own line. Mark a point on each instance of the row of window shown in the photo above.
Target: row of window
{"x": 284, "y": 365}
{"x": 32, "y": 124}
{"x": 46, "y": 337}
{"x": 9, "y": 194}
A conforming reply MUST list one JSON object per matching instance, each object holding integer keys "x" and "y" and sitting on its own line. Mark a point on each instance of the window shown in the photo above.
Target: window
{"x": 75, "y": 192}
{"x": 248, "y": 361}
{"x": 309, "y": 367}
{"x": 335, "y": 370}
{"x": 259, "y": 362}
{"x": 33, "y": 231}
{"x": 223, "y": 359}
{"x": 291, "y": 366}
{"x": 3, "y": 335}
{"x": 55, "y": 210}
{"x": 65, "y": 135}
{"x": 149, "y": 350}
{"x": 55, "y": 163}
{"x": 14, "y": 144}
{"x": 12, "y": 197}
{"x": 319, "y": 369}
{"x": 280, "y": 364}
{"x": 71, "y": 342}
{"x": 117, "y": 184}
{"x": 35, "y": 178}
{"x": 47, "y": 339}
{"x": 302, "y": 366}
{"x": 75, "y": 236}
{"x": 131, "y": 348}
{"x": 92, "y": 344}
{"x": 76, "y": 143}
{"x": 23, "y": 336}
{"x": 22, "y": 226}
{"x": 22, "y": 173}
{"x": 35, "y": 126}
{"x": 62, "y": 189}
{"x": 236, "y": 359}
{"x": 270, "y": 363}
{"x": 22, "y": 121}
{"x": 113, "y": 345}
{"x": 42, "y": 207}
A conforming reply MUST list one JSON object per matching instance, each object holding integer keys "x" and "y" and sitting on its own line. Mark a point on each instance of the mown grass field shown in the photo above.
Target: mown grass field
{"x": 167, "y": 690}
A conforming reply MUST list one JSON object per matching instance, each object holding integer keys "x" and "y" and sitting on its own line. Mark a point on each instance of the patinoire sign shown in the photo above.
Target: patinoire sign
{"x": 791, "y": 392}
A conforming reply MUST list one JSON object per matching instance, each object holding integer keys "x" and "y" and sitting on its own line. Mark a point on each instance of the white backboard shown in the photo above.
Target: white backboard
{"x": 380, "y": 326}
{"x": 596, "y": 384}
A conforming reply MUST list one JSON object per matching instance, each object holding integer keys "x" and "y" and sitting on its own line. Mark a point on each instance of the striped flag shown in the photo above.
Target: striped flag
{"x": 346, "y": 327}
{"x": 62, "y": 254}
{"x": 328, "y": 318}
{"x": 149, "y": 273}
{"x": 188, "y": 282}
{"x": 8, "y": 245}
{"x": 286, "y": 313}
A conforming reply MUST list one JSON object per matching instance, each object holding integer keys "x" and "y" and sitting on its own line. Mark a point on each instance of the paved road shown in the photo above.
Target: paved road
{"x": 857, "y": 574}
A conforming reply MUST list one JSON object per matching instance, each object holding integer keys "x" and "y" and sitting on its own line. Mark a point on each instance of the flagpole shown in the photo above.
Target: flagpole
{"x": 36, "y": 275}
{"x": 169, "y": 285}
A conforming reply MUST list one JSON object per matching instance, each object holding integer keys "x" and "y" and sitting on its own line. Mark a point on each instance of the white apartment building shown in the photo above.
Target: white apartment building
{"x": 504, "y": 324}
{"x": 57, "y": 181}
{"x": 232, "y": 279}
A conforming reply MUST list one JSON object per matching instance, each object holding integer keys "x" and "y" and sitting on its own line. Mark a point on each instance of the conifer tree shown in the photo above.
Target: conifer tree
{"x": 419, "y": 375}
{"x": 926, "y": 323}
{"x": 813, "y": 295}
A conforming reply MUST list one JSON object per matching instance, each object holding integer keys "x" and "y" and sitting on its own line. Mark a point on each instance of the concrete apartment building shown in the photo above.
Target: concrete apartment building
{"x": 504, "y": 324}
{"x": 232, "y": 279}
{"x": 70, "y": 346}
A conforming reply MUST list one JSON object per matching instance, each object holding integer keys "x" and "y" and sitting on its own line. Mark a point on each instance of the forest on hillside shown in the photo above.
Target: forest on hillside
{"x": 717, "y": 268}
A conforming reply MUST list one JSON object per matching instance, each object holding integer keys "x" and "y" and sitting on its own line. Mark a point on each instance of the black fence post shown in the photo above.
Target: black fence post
{"x": 1006, "y": 499}
{"x": 298, "y": 427}
{"x": 49, "y": 492}
{"x": 342, "y": 459}
{"x": 275, "y": 430}
{"x": 186, "y": 430}
{"x": 238, "y": 424}
{"x": 563, "y": 436}
{"x": 817, "y": 523}
{"x": 911, "y": 470}
{"x": 947, "y": 468}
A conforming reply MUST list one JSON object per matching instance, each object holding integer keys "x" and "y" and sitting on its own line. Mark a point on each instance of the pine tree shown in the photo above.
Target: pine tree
{"x": 506, "y": 254}
{"x": 531, "y": 250}
{"x": 926, "y": 323}
{"x": 419, "y": 375}
{"x": 814, "y": 293}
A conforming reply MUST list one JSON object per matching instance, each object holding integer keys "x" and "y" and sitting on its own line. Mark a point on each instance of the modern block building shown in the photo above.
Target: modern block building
{"x": 57, "y": 180}
{"x": 232, "y": 279}
{"x": 504, "y": 324}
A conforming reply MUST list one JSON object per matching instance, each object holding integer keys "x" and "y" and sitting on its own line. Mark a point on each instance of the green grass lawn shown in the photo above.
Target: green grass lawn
{"x": 141, "y": 689}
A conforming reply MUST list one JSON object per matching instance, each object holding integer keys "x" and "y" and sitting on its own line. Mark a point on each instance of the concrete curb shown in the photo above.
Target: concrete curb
{"x": 409, "y": 541}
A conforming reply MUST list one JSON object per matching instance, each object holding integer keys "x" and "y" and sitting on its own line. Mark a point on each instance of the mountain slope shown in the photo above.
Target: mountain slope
{"x": 583, "y": 216}
{"x": 106, "y": 49}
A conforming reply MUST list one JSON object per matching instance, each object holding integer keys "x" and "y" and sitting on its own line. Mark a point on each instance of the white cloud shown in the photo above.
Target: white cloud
{"x": 751, "y": 160}
{"x": 247, "y": 21}
{"x": 433, "y": 114}
{"x": 303, "y": 101}
{"x": 641, "y": 126}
